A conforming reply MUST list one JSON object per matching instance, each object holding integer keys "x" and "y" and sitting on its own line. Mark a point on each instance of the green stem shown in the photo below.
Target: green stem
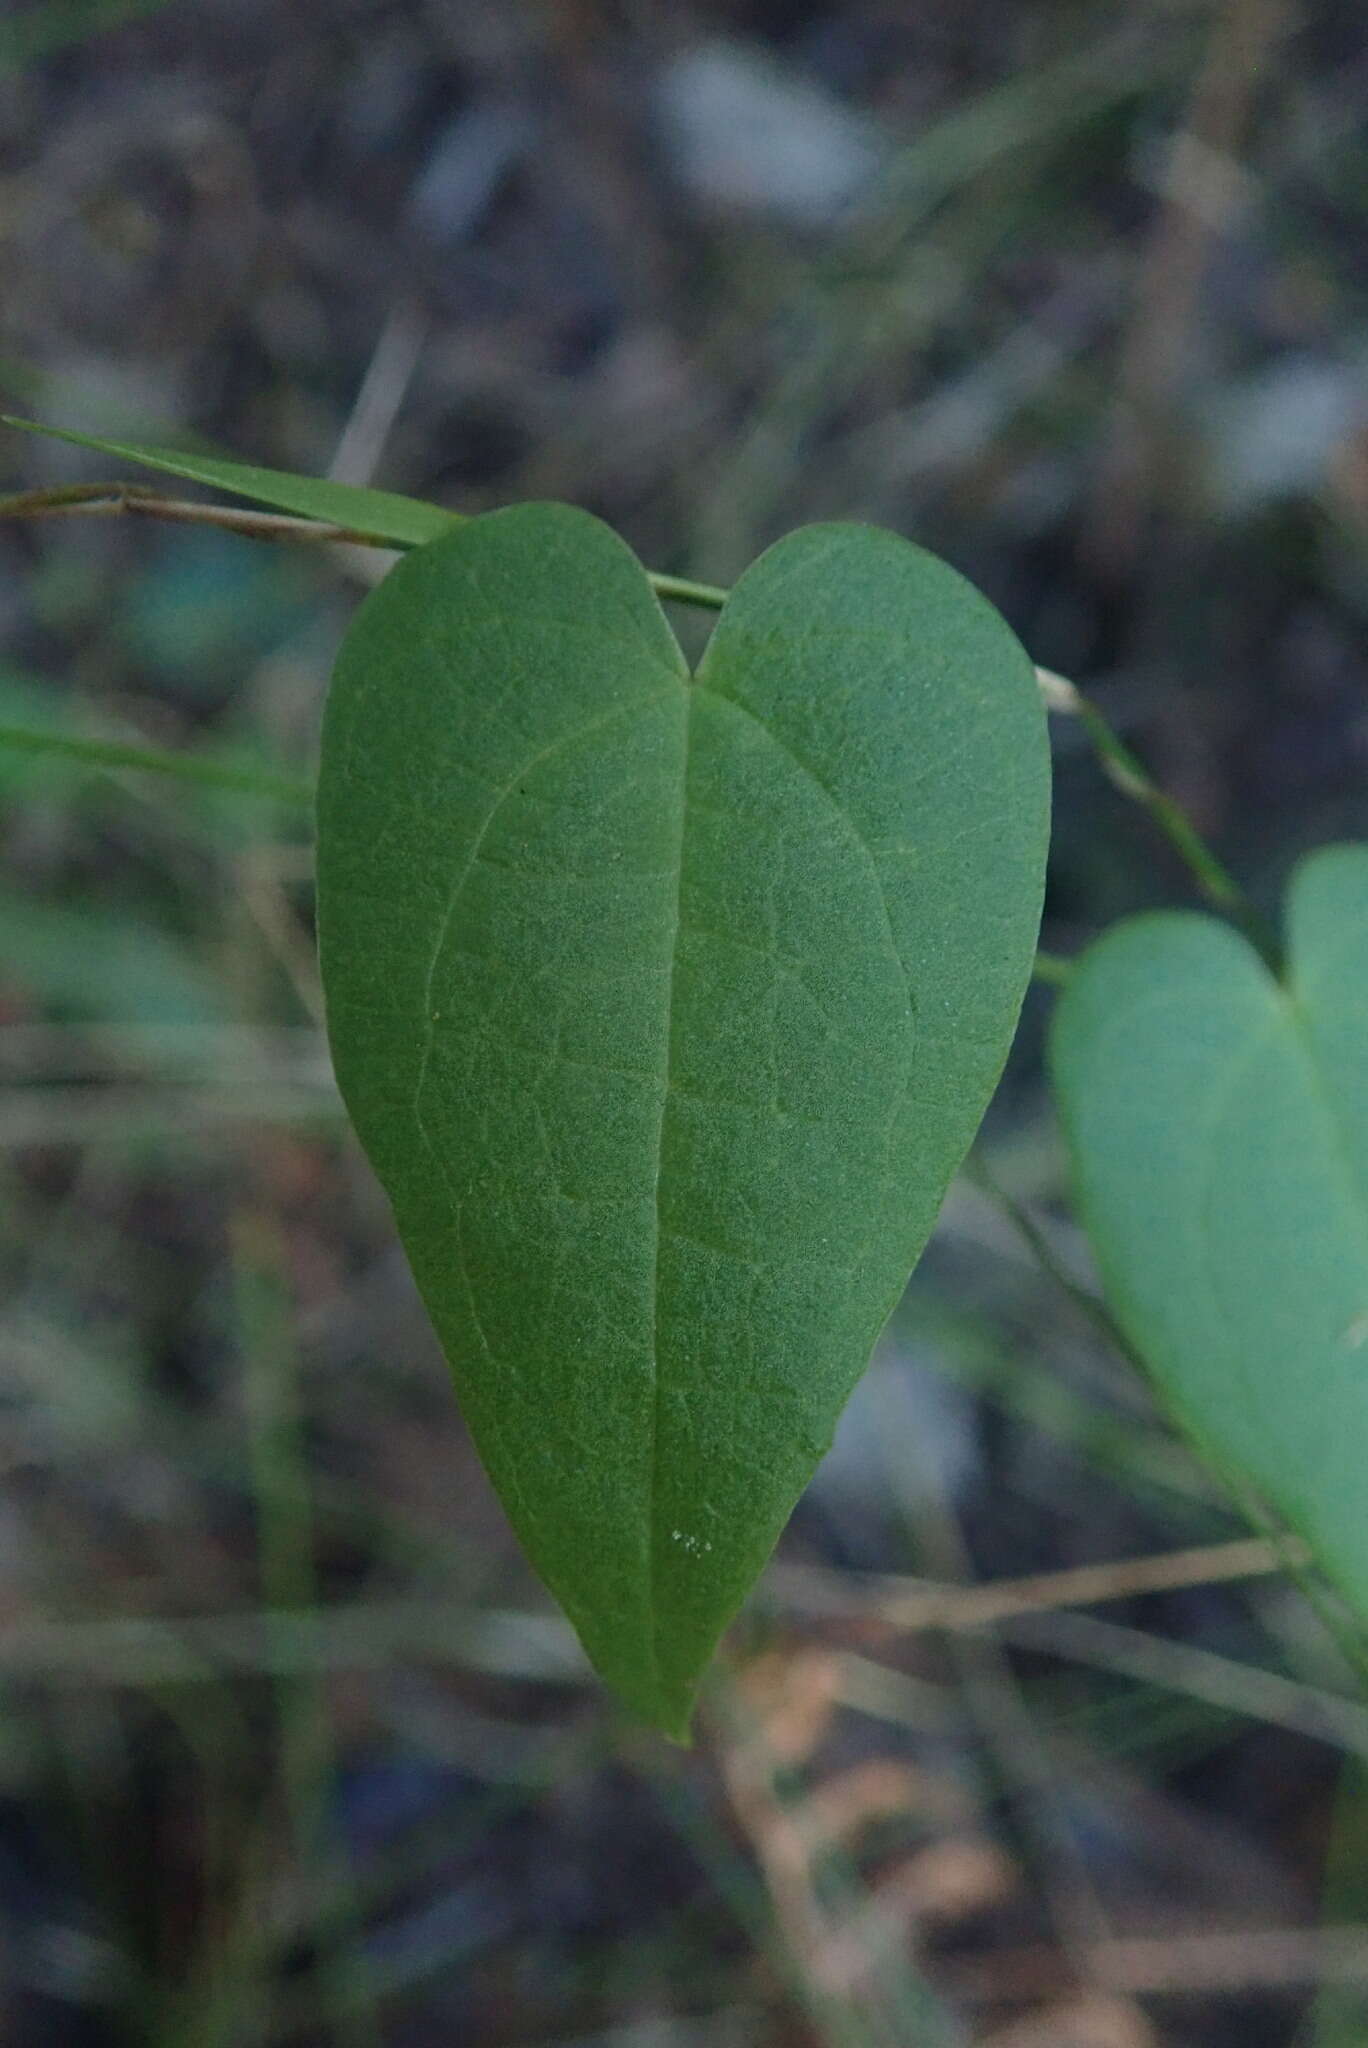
{"x": 1214, "y": 880}
{"x": 1133, "y": 780}
{"x": 1043, "y": 1252}
{"x": 679, "y": 590}
{"x": 106, "y": 500}
{"x": 1051, "y": 969}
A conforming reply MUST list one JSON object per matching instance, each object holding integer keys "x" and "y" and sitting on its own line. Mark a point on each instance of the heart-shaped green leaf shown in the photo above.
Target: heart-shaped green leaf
{"x": 665, "y": 1009}
{"x": 1217, "y": 1123}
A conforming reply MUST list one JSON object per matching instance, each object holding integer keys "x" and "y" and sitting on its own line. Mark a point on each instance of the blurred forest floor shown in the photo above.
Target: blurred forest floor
{"x": 293, "y": 1748}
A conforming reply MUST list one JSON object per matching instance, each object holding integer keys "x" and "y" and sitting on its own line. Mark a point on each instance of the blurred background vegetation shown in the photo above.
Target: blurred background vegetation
{"x": 293, "y": 1749}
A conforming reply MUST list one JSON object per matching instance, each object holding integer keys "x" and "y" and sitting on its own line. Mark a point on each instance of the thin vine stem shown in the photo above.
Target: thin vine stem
{"x": 1051, "y": 969}
{"x": 109, "y": 500}
{"x": 680, "y": 590}
{"x": 1090, "y": 1305}
{"x": 1127, "y": 774}
{"x": 1119, "y": 764}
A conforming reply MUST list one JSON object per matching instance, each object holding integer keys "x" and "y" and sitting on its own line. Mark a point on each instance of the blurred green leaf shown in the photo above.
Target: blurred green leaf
{"x": 45, "y": 747}
{"x": 666, "y": 1010}
{"x": 1217, "y": 1123}
{"x": 203, "y": 610}
{"x": 99, "y": 962}
{"x": 41, "y": 30}
{"x": 382, "y": 515}
{"x": 34, "y": 709}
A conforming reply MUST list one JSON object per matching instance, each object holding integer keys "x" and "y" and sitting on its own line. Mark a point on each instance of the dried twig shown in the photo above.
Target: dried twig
{"x": 906, "y": 1605}
{"x": 1203, "y": 185}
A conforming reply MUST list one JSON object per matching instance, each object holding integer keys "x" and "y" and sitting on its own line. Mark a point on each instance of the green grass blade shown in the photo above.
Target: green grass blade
{"x": 383, "y": 516}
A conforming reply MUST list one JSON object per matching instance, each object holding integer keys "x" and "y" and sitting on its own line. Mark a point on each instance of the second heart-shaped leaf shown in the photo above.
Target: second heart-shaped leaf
{"x": 1218, "y": 1129}
{"x": 665, "y": 1009}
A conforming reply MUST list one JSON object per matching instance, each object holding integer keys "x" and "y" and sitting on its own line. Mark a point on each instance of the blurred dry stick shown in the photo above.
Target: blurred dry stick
{"x": 891, "y": 1602}
{"x": 1202, "y": 187}
{"x": 1097, "y": 2021}
{"x": 1177, "y": 1962}
{"x": 846, "y": 1944}
{"x": 381, "y": 396}
{"x": 265, "y": 874}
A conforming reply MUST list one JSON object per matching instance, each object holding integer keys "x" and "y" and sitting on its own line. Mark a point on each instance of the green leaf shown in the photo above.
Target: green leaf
{"x": 665, "y": 1011}
{"x": 381, "y": 515}
{"x": 43, "y": 28}
{"x": 104, "y": 963}
{"x": 1217, "y": 1124}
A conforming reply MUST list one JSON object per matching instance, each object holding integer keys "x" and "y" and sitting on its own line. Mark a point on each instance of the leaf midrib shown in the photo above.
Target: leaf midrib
{"x": 695, "y": 686}
{"x": 667, "y": 1066}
